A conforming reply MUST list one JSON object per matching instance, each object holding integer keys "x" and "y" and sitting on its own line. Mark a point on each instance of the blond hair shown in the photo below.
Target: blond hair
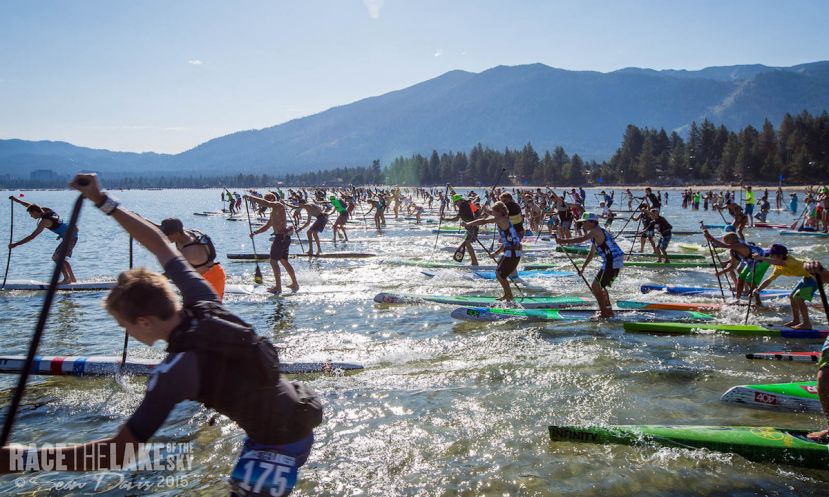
{"x": 141, "y": 293}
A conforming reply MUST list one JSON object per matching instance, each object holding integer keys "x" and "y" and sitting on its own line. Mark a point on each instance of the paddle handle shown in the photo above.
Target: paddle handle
{"x": 11, "y": 240}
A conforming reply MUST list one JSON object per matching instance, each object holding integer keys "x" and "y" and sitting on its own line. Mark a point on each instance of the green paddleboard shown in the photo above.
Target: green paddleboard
{"x": 730, "y": 329}
{"x": 484, "y": 300}
{"x": 756, "y": 443}
{"x": 786, "y": 397}
{"x": 585, "y": 250}
{"x": 641, "y": 264}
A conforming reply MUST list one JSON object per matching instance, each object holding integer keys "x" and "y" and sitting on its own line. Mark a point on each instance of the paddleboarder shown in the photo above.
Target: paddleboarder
{"x": 787, "y": 265}
{"x": 50, "y": 220}
{"x": 214, "y": 358}
{"x": 467, "y": 216}
{"x": 510, "y": 245}
{"x": 665, "y": 230}
{"x": 320, "y": 218}
{"x": 749, "y": 272}
{"x": 820, "y": 273}
{"x": 601, "y": 242}
{"x": 281, "y": 243}
{"x": 199, "y": 251}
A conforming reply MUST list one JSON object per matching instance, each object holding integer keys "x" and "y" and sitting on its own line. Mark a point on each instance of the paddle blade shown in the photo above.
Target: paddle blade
{"x": 257, "y": 277}
{"x": 458, "y": 255}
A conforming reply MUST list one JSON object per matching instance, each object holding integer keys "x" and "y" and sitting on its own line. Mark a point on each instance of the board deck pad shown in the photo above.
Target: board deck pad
{"x": 786, "y": 397}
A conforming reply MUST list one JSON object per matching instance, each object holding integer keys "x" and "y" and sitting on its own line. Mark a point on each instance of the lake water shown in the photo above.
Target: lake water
{"x": 443, "y": 407}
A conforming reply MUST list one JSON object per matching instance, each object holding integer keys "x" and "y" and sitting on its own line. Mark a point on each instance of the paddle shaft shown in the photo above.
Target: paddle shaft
{"x": 126, "y": 335}
{"x": 714, "y": 262}
{"x": 751, "y": 293}
{"x": 257, "y": 278}
{"x": 41, "y": 326}
{"x": 440, "y": 216}
{"x": 819, "y": 279}
{"x": 11, "y": 240}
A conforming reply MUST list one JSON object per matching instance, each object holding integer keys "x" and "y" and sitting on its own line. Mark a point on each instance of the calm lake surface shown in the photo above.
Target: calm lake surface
{"x": 443, "y": 407}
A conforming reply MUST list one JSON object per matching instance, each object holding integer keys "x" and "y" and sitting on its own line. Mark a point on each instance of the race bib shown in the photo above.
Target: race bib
{"x": 263, "y": 473}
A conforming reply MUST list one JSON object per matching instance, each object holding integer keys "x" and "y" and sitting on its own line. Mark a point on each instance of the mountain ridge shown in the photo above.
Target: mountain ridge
{"x": 586, "y": 112}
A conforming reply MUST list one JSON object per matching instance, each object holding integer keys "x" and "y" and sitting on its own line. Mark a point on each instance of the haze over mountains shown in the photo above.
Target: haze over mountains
{"x": 586, "y": 112}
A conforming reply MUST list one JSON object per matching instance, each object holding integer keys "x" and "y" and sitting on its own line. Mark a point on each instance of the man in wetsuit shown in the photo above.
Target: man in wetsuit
{"x": 214, "y": 358}
{"x": 199, "y": 251}
{"x": 466, "y": 215}
{"x": 50, "y": 220}
{"x": 602, "y": 242}
{"x": 281, "y": 240}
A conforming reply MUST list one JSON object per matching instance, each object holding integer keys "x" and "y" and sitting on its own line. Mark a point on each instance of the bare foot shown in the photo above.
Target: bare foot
{"x": 275, "y": 290}
{"x": 819, "y": 436}
{"x": 309, "y": 253}
{"x": 64, "y": 282}
{"x": 294, "y": 287}
{"x": 802, "y": 326}
{"x": 790, "y": 324}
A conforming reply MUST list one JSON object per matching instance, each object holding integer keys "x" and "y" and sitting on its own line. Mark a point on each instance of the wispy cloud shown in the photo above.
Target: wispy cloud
{"x": 438, "y": 52}
{"x": 373, "y": 7}
{"x": 195, "y": 62}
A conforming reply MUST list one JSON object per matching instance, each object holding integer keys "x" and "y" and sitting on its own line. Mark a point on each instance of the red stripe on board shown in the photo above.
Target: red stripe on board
{"x": 56, "y": 366}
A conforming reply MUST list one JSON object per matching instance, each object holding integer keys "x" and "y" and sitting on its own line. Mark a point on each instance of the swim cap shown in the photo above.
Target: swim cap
{"x": 589, "y": 216}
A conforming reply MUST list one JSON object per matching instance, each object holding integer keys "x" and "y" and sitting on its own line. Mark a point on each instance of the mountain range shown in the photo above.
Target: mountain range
{"x": 586, "y": 112}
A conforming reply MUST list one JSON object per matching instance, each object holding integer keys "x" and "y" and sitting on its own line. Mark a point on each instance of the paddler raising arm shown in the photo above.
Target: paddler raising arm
{"x": 213, "y": 357}
{"x": 510, "y": 245}
{"x": 49, "y": 220}
{"x": 613, "y": 257}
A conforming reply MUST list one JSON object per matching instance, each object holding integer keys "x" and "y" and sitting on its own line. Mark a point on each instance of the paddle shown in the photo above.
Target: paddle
{"x": 822, "y": 295}
{"x": 578, "y": 269}
{"x": 357, "y": 200}
{"x": 41, "y": 325}
{"x": 440, "y": 218}
{"x": 126, "y": 335}
{"x": 637, "y": 235}
{"x": 797, "y": 221}
{"x": 714, "y": 262}
{"x": 11, "y": 240}
{"x": 257, "y": 277}
{"x": 751, "y": 293}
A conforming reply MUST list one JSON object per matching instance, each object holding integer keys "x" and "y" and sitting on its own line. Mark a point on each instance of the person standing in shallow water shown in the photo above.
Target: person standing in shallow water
{"x": 281, "y": 240}
{"x": 50, "y": 220}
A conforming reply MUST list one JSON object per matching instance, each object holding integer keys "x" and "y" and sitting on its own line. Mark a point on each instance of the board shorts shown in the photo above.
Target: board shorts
{"x": 507, "y": 265}
{"x": 269, "y": 470}
{"x": 759, "y": 271}
{"x": 280, "y": 245}
{"x": 805, "y": 290}
{"x": 216, "y": 277}
{"x": 471, "y": 234}
{"x": 647, "y": 234}
{"x": 664, "y": 240}
{"x": 749, "y": 209}
{"x": 566, "y": 224}
{"x": 319, "y": 224}
{"x": 69, "y": 243}
{"x": 342, "y": 218}
{"x": 606, "y": 276}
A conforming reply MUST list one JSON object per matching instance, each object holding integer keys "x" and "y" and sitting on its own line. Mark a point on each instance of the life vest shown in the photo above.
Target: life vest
{"x": 204, "y": 240}
{"x": 609, "y": 251}
{"x": 239, "y": 376}
{"x": 59, "y": 227}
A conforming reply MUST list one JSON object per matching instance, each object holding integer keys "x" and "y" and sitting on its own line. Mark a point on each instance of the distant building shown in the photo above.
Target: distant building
{"x": 43, "y": 175}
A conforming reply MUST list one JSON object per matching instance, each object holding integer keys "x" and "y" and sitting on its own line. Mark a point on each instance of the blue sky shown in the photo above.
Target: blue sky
{"x": 165, "y": 76}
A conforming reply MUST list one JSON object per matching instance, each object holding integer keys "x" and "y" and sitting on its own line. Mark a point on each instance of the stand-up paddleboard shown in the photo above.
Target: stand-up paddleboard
{"x": 636, "y": 264}
{"x": 441, "y": 265}
{"x": 500, "y": 314}
{"x": 755, "y": 443}
{"x": 483, "y": 300}
{"x": 585, "y": 250}
{"x": 539, "y": 273}
{"x": 803, "y": 233}
{"x": 810, "y": 357}
{"x": 787, "y": 397}
{"x": 106, "y": 365}
{"x": 324, "y": 255}
{"x": 675, "y": 233}
{"x": 667, "y": 306}
{"x": 71, "y": 287}
{"x": 693, "y": 290}
{"x": 768, "y": 225}
{"x": 728, "y": 329}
